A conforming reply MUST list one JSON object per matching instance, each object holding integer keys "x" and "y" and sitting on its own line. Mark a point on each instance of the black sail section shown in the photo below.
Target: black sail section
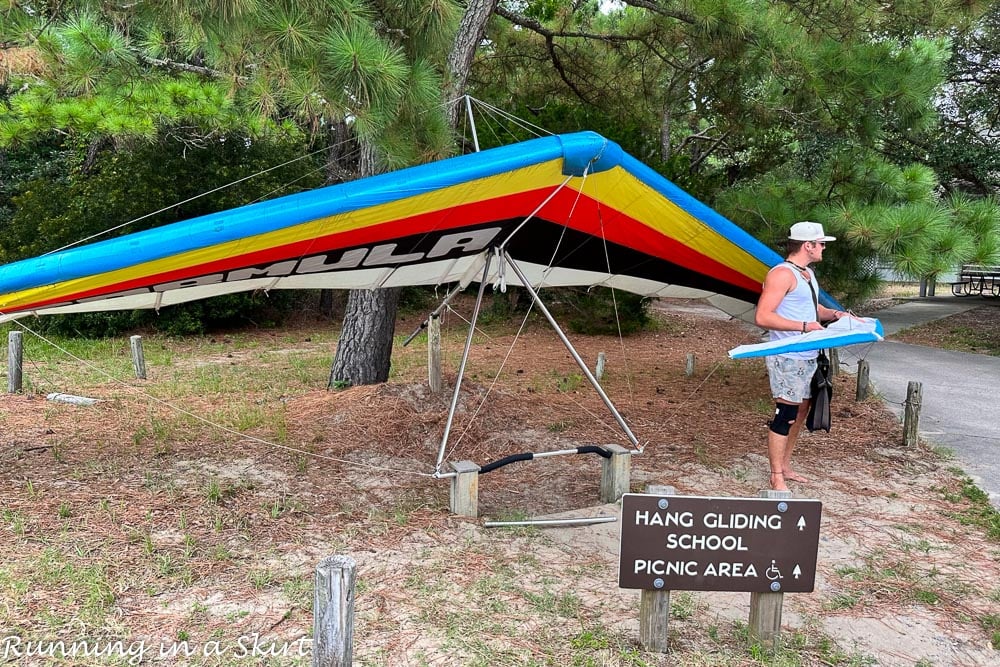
{"x": 547, "y": 243}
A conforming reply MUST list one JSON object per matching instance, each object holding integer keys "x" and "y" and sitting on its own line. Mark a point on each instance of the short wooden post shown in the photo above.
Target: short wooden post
{"x": 654, "y": 606}
{"x": 138, "y": 359}
{"x": 15, "y": 358}
{"x": 599, "y": 369}
{"x": 834, "y": 358}
{"x": 465, "y": 489}
{"x": 765, "y": 608}
{"x": 333, "y": 612}
{"x": 615, "y": 473}
{"x": 911, "y": 413}
{"x": 863, "y": 383}
{"x": 434, "y": 353}
{"x": 689, "y": 366}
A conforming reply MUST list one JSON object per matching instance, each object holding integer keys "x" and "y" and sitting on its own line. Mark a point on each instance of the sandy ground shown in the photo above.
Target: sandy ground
{"x": 214, "y": 535}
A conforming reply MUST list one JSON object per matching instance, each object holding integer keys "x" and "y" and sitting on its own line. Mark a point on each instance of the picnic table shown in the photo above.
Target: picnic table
{"x": 977, "y": 279}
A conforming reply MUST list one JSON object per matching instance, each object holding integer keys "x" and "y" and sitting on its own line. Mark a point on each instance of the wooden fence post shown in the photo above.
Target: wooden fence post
{"x": 863, "y": 383}
{"x": 15, "y": 358}
{"x": 689, "y": 365}
{"x": 599, "y": 369}
{"x": 616, "y": 474}
{"x": 911, "y": 413}
{"x": 834, "y": 357}
{"x": 654, "y": 606}
{"x": 765, "y": 608}
{"x": 333, "y": 612}
{"x": 138, "y": 359}
{"x": 465, "y": 489}
{"x": 434, "y": 353}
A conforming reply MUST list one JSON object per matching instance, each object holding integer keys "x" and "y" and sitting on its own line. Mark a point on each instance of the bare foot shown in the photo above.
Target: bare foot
{"x": 778, "y": 482}
{"x": 793, "y": 476}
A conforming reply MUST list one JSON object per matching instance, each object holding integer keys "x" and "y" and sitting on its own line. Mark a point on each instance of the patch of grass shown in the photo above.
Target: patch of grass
{"x": 283, "y": 505}
{"x": 84, "y": 586}
{"x": 682, "y": 605}
{"x": 566, "y": 605}
{"x": 261, "y": 578}
{"x": 843, "y": 601}
{"x": 14, "y": 520}
{"x": 991, "y": 623}
{"x": 560, "y": 426}
{"x": 570, "y": 382}
{"x": 977, "y": 510}
{"x": 925, "y": 596}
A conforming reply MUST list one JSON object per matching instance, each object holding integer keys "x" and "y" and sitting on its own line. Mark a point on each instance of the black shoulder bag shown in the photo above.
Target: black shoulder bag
{"x": 821, "y": 386}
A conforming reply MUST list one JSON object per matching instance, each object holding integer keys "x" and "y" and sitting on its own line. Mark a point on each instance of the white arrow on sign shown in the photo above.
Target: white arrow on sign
{"x": 802, "y": 523}
{"x": 797, "y": 571}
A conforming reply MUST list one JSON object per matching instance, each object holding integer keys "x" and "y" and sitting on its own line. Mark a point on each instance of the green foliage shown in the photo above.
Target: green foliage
{"x": 881, "y": 213}
{"x": 605, "y": 311}
{"x": 87, "y": 190}
{"x": 71, "y": 193}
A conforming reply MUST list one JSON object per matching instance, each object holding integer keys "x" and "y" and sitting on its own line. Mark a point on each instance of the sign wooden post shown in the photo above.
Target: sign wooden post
{"x": 654, "y": 606}
{"x": 765, "y": 608}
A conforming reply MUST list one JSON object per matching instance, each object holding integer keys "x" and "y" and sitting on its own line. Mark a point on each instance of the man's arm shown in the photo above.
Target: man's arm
{"x": 829, "y": 314}
{"x": 777, "y": 284}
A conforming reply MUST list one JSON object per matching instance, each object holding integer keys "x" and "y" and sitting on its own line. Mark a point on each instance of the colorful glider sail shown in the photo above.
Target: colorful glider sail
{"x": 570, "y": 210}
{"x": 845, "y": 331}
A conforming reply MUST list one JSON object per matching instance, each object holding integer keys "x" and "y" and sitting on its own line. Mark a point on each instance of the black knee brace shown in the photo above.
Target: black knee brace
{"x": 784, "y": 415}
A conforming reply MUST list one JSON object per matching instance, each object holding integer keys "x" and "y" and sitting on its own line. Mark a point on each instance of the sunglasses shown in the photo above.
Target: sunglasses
{"x": 821, "y": 244}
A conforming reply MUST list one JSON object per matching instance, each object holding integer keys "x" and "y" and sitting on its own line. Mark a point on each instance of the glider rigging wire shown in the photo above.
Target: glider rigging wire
{"x": 184, "y": 201}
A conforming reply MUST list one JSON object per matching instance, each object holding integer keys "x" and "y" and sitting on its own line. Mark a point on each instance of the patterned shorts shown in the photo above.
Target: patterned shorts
{"x": 790, "y": 377}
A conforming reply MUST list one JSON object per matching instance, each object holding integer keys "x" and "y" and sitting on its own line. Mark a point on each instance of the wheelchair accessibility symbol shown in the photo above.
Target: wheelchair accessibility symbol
{"x": 773, "y": 573}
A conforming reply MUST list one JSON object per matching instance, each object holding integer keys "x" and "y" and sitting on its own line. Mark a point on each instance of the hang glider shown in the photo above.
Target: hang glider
{"x": 845, "y": 331}
{"x": 571, "y": 210}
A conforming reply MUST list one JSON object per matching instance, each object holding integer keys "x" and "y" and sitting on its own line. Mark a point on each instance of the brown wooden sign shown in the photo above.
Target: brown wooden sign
{"x": 692, "y": 543}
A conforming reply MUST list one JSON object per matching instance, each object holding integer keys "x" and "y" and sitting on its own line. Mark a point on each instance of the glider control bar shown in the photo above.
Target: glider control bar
{"x": 528, "y": 456}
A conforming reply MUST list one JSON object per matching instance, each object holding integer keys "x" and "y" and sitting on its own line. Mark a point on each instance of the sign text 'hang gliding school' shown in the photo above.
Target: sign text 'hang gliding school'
{"x": 718, "y": 544}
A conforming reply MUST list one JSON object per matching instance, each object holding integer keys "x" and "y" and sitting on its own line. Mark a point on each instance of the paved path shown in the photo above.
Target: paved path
{"x": 961, "y": 392}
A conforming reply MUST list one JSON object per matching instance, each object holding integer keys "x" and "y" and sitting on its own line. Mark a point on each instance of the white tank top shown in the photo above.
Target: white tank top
{"x": 797, "y": 305}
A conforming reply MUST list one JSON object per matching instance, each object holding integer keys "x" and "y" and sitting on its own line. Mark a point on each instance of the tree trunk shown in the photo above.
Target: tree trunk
{"x": 364, "y": 351}
{"x": 463, "y": 51}
{"x": 365, "y": 347}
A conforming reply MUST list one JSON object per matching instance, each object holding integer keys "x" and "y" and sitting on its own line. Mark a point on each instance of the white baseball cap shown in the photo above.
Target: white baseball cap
{"x": 808, "y": 231}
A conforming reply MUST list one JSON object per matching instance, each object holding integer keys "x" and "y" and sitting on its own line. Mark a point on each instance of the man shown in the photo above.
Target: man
{"x": 789, "y": 306}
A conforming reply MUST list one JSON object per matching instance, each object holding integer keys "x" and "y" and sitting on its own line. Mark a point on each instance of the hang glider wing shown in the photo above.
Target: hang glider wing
{"x": 845, "y": 331}
{"x": 570, "y": 210}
